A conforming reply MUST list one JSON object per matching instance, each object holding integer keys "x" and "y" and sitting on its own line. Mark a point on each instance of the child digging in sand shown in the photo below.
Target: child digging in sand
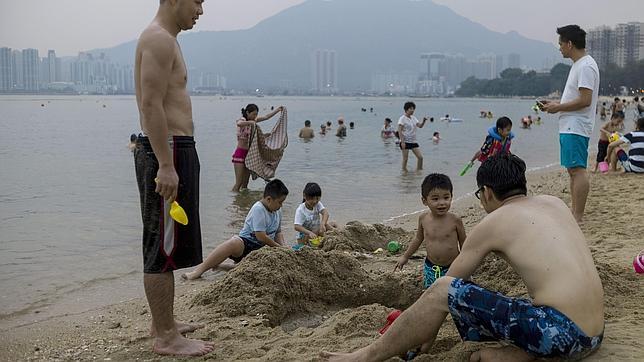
{"x": 311, "y": 217}
{"x": 261, "y": 227}
{"x": 442, "y": 231}
{"x": 615, "y": 124}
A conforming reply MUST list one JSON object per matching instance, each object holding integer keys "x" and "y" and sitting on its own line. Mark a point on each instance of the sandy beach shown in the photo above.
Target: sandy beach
{"x": 282, "y": 305}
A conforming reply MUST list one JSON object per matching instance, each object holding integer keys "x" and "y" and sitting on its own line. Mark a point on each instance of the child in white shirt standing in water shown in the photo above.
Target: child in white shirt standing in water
{"x": 311, "y": 217}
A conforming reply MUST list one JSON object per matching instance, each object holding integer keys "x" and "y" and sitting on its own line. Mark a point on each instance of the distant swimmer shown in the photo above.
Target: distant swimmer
{"x": 307, "y": 132}
{"x": 436, "y": 138}
{"x": 342, "y": 129}
{"x": 387, "y": 130}
{"x": 132, "y": 144}
{"x": 450, "y": 119}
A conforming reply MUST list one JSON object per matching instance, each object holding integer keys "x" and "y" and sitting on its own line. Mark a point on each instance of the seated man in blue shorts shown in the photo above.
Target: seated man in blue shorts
{"x": 539, "y": 237}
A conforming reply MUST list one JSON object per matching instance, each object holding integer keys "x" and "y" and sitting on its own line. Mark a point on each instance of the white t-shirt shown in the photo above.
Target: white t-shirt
{"x": 309, "y": 219}
{"x": 410, "y": 124}
{"x": 583, "y": 74}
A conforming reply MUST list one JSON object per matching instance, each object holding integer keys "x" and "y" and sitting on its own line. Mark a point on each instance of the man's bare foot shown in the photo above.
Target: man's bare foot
{"x": 182, "y": 346}
{"x": 507, "y": 353}
{"x": 339, "y": 357}
{"x": 190, "y": 276}
{"x": 182, "y": 328}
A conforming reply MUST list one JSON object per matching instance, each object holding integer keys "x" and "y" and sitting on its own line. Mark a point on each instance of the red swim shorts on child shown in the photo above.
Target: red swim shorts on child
{"x": 239, "y": 156}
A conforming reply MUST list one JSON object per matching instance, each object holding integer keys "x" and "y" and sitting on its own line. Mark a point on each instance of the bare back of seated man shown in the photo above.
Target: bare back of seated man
{"x": 165, "y": 157}
{"x": 539, "y": 237}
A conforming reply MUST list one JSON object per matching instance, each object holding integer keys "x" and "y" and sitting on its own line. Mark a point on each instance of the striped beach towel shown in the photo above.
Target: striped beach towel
{"x": 266, "y": 149}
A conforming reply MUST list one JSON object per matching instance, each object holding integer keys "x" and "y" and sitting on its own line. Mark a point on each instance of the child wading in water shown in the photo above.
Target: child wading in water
{"x": 498, "y": 140}
{"x": 442, "y": 231}
{"x": 262, "y": 227}
{"x": 244, "y": 128}
{"x": 387, "y": 130}
{"x": 311, "y": 217}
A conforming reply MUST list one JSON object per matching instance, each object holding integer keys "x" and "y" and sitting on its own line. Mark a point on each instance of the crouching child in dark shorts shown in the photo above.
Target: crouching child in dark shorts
{"x": 262, "y": 227}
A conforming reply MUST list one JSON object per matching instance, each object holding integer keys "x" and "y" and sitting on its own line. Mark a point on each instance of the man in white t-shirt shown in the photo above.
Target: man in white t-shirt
{"x": 576, "y": 113}
{"x": 407, "y": 125}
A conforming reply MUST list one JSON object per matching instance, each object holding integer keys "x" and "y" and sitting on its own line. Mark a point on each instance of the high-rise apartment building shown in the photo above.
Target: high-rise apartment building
{"x": 6, "y": 70}
{"x": 52, "y": 73}
{"x": 600, "y": 43}
{"x": 31, "y": 69}
{"x": 324, "y": 71}
{"x": 514, "y": 60}
{"x": 622, "y": 45}
{"x": 18, "y": 70}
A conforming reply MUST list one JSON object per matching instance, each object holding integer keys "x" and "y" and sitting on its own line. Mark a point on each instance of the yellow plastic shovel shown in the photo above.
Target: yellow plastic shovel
{"x": 178, "y": 214}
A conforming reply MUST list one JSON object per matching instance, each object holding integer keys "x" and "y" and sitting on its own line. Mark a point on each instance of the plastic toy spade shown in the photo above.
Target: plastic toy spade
{"x": 466, "y": 168}
{"x": 178, "y": 214}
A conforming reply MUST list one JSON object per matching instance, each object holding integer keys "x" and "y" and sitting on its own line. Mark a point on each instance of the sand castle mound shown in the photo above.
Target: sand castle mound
{"x": 357, "y": 236}
{"x": 277, "y": 282}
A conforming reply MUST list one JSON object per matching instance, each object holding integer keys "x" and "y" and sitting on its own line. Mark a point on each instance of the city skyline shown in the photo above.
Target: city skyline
{"x": 60, "y": 28}
{"x": 25, "y": 71}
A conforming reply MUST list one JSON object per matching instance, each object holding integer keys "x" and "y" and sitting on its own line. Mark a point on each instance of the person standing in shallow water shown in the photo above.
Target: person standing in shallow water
{"x": 407, "y": 126}
{"x": 244, "y": 129}
{"x": 167, "y": 169}
{"x": 577, "y": 112}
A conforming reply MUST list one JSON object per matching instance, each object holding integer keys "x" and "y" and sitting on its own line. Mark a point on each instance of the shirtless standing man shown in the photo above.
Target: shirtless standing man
{"x": 539, "y": 237}
{"x": 167, "y": 169}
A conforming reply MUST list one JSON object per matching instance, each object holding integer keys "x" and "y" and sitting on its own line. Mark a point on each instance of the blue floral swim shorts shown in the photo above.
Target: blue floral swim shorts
{"x": 482, "y": 315}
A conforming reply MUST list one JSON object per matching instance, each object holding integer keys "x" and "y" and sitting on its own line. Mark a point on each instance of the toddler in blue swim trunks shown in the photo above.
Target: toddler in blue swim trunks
{"x": 442, "y": 231}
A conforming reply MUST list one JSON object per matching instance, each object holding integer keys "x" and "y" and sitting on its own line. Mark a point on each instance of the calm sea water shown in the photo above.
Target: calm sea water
{"x": 69, "y": 212}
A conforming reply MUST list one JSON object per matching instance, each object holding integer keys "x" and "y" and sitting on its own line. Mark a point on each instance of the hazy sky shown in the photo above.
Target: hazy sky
{"x": 72, "y": 25}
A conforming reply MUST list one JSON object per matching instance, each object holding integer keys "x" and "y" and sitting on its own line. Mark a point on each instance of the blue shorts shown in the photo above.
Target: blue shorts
{"x": 431, "y": 272}
{"x": 544, "y": 332}
{"x": 573, "y": 150}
